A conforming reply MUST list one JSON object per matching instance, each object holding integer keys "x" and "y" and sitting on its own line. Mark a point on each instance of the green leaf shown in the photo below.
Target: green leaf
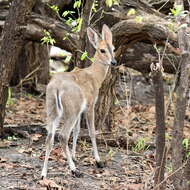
{"x": 47, "y": 39}
{"x": 77, "y": 25}
{"x": 109, "y": 3}
{"x": 52, "y": 41}
{"x": 94, "y": 6}
{"x": 83, "y": 56}
{"x": 138, "y": 19}
{"x": 65, "y": 13}
{"x": 10, "y": 100}
{"x": 185, "y": 143}
{"x": 173, "y": 11}
{"x": 131, "y": 12}
{"x": 55, "y": 8}
{"x": 67, "y": 60}
{"x": 66, "y": 36}
{"x": 177, "y": 10}
{"x": 69, "y": 21}
{"x": 79, "y": 21}
{"x": 77, "y": 4}
{"x": 116, "y": 2}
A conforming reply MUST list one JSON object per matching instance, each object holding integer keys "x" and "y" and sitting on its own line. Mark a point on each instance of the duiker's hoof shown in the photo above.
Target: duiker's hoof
{"x": 100, "y": 164}
{"x": 42, "y": 177}
{"x": 76, "y": 173}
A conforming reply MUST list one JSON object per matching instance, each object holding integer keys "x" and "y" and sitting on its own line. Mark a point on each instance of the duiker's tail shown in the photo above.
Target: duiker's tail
{"x": 58, "y": 103}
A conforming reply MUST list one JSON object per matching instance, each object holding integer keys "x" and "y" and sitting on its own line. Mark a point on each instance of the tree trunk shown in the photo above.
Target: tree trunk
{"x": 177, "y": 136}
{"x": 181, "y": 102}
{"x": 160, "y": 126}
{"x": 187, "y": 172}
{"x": 33, "y": 60}
{"x": 106, "y": 99}
{"x": 85, "y": 45}
{"x": 12, "y": 43}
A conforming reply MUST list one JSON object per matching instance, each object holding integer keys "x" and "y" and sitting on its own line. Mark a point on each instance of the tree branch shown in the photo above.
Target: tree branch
{"x": 58, "y": 30}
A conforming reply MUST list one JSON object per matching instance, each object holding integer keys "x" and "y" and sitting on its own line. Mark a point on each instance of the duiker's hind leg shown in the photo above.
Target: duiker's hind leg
{"x": 52, "y": 126}
{"x": 69, "y": 124}
{"x": 76, "y": 132}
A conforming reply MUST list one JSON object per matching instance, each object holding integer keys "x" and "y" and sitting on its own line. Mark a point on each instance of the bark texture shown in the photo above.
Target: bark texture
{"x": 33, "y": 59}
{"x": 133, "y": 40}
{"x": 126, "y": 31}
{"x": 160, "y": 126}
{"x": 181, "y": 103}
{"x": 12, "y": 43}
{"x": 105, "y": 101}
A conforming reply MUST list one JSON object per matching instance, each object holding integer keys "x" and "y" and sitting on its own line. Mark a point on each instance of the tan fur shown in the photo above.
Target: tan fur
{"x": 70, "y": 94}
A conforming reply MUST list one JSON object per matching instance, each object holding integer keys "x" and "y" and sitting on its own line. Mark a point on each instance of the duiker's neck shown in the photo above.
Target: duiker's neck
{"x": 99, "y": 69}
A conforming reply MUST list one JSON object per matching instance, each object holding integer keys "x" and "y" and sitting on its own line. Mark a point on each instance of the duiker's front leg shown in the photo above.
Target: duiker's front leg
{"x": 92, "y": 132}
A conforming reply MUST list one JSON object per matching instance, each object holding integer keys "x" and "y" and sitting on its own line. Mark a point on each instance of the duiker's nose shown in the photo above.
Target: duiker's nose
{"x": 113, "y": 62}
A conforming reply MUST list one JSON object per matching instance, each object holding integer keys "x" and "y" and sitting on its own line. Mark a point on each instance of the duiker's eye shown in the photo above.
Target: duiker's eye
{"x": 102, "y": 51}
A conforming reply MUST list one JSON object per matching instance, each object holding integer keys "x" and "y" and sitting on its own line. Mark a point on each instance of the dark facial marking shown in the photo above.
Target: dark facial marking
{"x": 102, "y": 51}
{"x": 110, "y": 50}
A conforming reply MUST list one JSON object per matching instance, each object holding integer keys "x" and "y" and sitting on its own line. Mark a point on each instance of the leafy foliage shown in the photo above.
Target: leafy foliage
{"x": 77, "y": 4}
{"x": 47, "y": 39}
{"x": 66, "y": 13}
{"x": 138, "y": 19}
{"x": 10, "y": 100}
{"x": 110, "y": 3}
{"x": 54, "y": 8}
{"x": 177, "y": 10}
{"x": 185, "y": 144}
{"x": 131, "y": 12}
{"x": 73, "y": 22}
{"x": 140, "y": 145}
{"x": 84, "y": 56}
{"x": 94, "y": 6}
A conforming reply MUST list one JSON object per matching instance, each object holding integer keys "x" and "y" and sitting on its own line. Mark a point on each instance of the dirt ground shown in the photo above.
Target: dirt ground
{"x": 21, "y": 163}
{"x": 130, "y": 164}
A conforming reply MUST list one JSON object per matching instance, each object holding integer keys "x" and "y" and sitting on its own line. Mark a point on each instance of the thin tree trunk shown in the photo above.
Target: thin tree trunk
{"x": 160, "y": 128}
{"x": 106, "y": 99}
{"x": 177, "y": 136}
{"x": 83, "y": 40}
{"x": 85, "y": 45}
{"x": 186, "y": 173}
{"x": 11, "y": 46}
{"x": 181, "y": 103}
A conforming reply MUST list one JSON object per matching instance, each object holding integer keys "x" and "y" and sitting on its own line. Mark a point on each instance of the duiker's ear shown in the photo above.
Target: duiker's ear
{"x": 106, "y": 34}
{"x": 93, "y": 37}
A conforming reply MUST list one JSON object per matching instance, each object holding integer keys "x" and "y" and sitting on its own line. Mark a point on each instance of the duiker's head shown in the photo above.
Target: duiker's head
{"x": 104, "y": 47}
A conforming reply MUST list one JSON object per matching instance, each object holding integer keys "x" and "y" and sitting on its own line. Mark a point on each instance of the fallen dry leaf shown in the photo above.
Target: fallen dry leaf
{"x": 7, "y": 165}
{"x": 24, "y": 150}
{"x": 135, "y": 187}
{"x": 49, "y": 184}
{"x": 35, "y": 137}
{"x": 3, "y": 160}
{"x": 4, "y": 144}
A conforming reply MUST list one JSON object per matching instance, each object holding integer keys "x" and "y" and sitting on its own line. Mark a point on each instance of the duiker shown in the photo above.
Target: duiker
{"x": 70, "y": 94}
